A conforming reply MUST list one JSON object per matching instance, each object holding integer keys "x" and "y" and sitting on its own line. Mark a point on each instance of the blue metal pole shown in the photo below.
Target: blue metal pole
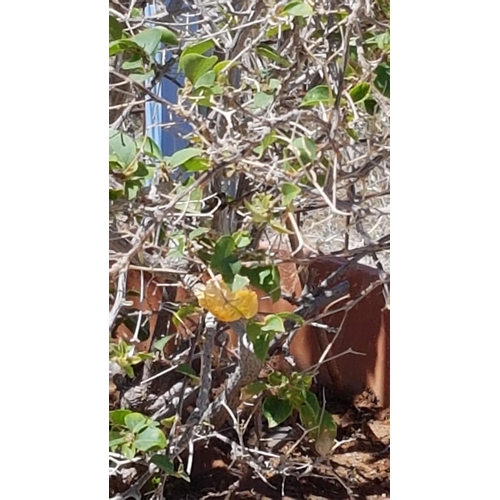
{"x": 155, "y": 114}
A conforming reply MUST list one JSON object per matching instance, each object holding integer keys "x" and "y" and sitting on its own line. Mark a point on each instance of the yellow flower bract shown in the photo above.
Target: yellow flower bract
{"x": 225, "y": 305}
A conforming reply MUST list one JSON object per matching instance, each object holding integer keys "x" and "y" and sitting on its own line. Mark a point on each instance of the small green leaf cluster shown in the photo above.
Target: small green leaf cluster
{"x": 121, "y": 353}
{"x": 132, "y": 433}
{"x": 284, "y": 394}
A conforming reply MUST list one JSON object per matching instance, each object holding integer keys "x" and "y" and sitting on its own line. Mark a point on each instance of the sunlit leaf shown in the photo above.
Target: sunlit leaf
{"x": 225, "y": 305}
{"x": 260, "y": 339}
{"x": 168, "y": 37}
{"x": 262, "y": 100}
{"x": 298, "y": 8}
{"x": 289, "y": 192}
{"x": 196, "y": 48}
{"x": 318, "y": 94}
{"x": 118, "y": 416}
{"x": 206, "y": 80}
{"x": 196, "y": 65}
{"x": 149, "y": 39}
{"x": 122, "y": 146}
{"x": 150, "y": 438}
{"x": 255, "y": 388}
{"x": 267, "y": 278}
{"x": 160, "y": 344}
{"x": 135, "y": 422}
{"x": 180, "y": 157}
{"x": 224, "y": 259}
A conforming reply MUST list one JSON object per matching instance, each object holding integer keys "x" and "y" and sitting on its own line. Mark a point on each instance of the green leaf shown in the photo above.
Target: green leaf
{"x": 273, "y": 323}
{"x": 168, "y": 37}
{"x": 260, "y": 339}
{"x": 122, "y": 146}
{"x": 180, "y": 157}
{"x": 115, "y": 194}
{"x": 128, "y": 451}
{"x": 206, "y": 80}
{"x": 129, "y": 371}
{"x": 140, "y": 357}
{"x": 135, "y": 422}
{"x": 276, "y": 410}
{"x": 282, "y": 27}
{"x": 202, "y": 97}
{"x": 259, "y": 207}
{"x": 266, "y": 278}
{"x": 383, "y": 79}
{"x": 310, "y": 411}
{"x": 187, "y": 370}
{"x": 161, "y": 343}
{"x": 135, "y": 62}
{"x": 325, "y": 435}
{"x": 195, "y": 66}
{"x": 239, "y": 282}
{"x": 360, "y": 92}
{"x": 122, "y": 45}
{"x": 371, "y": 106}
{"x": 148, "y": 39}
{"x": 306, "y": 148}
{"x": 224, "y": 247}
{"x": 307, "y": 416}
{"x": 292, "y": 317}
{"x": 116, "y": 439}
{"x": 289, "y": 192}
{"x": 183, "y": 312}
{"x": 274, "y": 84}
{"x": 164, "y": 463}
{"x": 199, "y": 231}
{"x": 385, "y": 7}
{"x": 196, "y": 48}
{"x": 255, "y": 388}
{"x": 224, "y": 260}
{"x": 150, "y": 438}
{"x": 168, "y": 422}
{"x": 277, "y": 379}
{"x": 242, "y": 239}
{"x": 266, "y": 142}
{"x": 318, "y": 94}
{"x": 149, "y": 147}
{"x": 141, "y": 77}
{"x": 270, "y": 53}
{"x": 196, "y": 165}
{"x": 221, "y": 66}
{"x": 115, "y": 29}
{"x": 352, "y": 133}
{"x": 262, "y": 100}
{"x": 117, "y": 417}
{"x": 382, "y": 40}
{"x": 279, "y": 227}
{"x": 328, "y": 423}
{"x": 298, "y": 8}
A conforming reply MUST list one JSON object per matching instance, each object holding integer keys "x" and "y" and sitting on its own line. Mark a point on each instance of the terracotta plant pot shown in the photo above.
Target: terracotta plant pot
{"x": 365, "y": 329}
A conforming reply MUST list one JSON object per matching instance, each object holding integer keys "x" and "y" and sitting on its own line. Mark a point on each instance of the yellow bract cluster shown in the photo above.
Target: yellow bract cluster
{"x": 225, "y": 305}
